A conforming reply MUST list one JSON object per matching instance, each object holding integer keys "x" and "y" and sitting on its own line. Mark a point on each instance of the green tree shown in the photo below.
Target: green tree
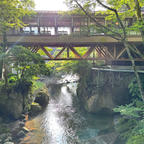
{"x": 130, "y": 8}
{"x": 25, "y": 63}
{"x": 26, "y": 67}
{"x": 131, "y": 124}
{"x": 11, "y": 14}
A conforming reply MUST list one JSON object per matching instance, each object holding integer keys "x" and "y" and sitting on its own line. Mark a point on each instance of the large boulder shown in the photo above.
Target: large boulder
{"x": 104, "y": 90}
{"x": 11, "y": 104}
{"x": 42, "y": 97}
{"x": 35, "y": 109}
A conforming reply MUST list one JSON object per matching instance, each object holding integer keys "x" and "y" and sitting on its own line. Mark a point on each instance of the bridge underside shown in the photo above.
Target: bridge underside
{"x": 102, "y": 48}
{"x": 110, "y": 54}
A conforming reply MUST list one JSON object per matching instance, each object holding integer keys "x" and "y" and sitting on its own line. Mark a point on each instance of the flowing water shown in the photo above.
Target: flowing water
{"x": 64, "y": 122}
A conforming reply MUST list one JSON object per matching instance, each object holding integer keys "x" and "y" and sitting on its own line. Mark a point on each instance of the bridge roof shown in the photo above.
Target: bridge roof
{"x": 63, "y": 13}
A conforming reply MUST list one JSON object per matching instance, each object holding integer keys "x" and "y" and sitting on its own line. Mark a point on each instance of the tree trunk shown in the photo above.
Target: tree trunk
{"x": 4, "y": 66}
{"x": 139, "y": 17}
{"x": 134, "y": 68}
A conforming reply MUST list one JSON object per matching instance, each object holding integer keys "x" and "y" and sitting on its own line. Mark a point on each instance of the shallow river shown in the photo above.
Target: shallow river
{"x": 64, "y": 122}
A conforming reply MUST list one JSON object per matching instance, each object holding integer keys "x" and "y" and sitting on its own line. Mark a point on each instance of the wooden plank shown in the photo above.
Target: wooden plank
{"x": 91, "y": 58}
{"x": 107, "y": 51}
{"x": 37, "y": 49}
{"x": 47, "y": 53}
{"x": 34, "y": 49}
{"x": 136, "y": 50}
{"x": 59, "y": 53}
{"x": 120, "y": 54}
{"x": 101, "y": 54}
{"x": 66, "y": 59}
{"x": 75, "y": 52}
{"x": 31, "y": 48}
{"x": 117, "y": 70}
{"x": 67, "y": 52}
{"x": 88, "y": 52}
{"x": 114, "y": 52}
{"x": 127, "y": 59}
{"x": 101, "y": 50}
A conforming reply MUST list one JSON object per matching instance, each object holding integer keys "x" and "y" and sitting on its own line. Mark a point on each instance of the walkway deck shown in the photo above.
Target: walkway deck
{"x": 65, "y": 40}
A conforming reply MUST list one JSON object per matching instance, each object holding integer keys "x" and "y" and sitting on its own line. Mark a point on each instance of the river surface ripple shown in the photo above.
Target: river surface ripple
{"x": 64, "y": 122}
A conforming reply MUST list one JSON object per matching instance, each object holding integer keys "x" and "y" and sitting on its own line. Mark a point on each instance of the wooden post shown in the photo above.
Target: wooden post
{"x": 56, "y": 27}
{"x": 94, "y": 56}
{"x": 47, "y": 53}
{"x": 56, "y": 57}
{"x": 72, "y": 26}
{"x": 67, "y": 52}
{"x": 88, "y": 52}
{"x": 38, "y": 29}
{"x": 75, "y": 52}
{"x": 114, "y": 51}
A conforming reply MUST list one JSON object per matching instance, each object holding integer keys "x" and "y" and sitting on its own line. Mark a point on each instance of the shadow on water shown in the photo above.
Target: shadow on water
{"x": 64, "y": 123}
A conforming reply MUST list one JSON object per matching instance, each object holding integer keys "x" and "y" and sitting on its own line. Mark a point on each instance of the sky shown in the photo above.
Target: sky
{"x": 52, "y": 5}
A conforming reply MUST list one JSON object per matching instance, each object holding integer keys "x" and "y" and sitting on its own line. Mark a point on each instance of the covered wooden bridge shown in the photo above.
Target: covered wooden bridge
{"x": 51, "y": 29}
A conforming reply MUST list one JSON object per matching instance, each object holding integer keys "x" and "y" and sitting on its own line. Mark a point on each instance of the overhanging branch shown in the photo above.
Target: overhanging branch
{"x": 118, "y": 37}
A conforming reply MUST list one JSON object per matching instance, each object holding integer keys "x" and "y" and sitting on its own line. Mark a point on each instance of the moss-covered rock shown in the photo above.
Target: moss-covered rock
{"x": 104, "y": 90}
{"x": 42, "y": 97}
{"x": 11, "y": 104}
{"x": 35, "y": 109}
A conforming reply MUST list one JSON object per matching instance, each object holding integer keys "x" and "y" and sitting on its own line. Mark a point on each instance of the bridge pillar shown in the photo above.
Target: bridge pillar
{"x": 71, "y": 30}
{"x": 56, "y": 30}
{"x": 38, "y": 29}
{"x": 21, "y": 30}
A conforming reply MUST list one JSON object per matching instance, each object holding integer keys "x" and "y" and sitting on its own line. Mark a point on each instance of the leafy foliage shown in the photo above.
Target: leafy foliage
{"x": 12, "y": 12}
{"x": 65, "y": 66}
{"x": 25, "y": 63}
{"x": 131, "y": 125}
{"x": 26, "y": 67}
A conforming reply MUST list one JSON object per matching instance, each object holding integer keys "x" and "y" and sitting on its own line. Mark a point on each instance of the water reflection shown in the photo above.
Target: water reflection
{"x": 54, "y": 118}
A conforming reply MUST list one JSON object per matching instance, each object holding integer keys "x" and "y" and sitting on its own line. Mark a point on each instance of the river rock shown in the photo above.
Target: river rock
{"x": 22, "y": 124}
{"x": 8, "y": 139}
{"x": 22, "y": 117}
{"x": 42, "y": 98}
{"x": 12, "y": 104}
{"x": 103, "y": 139}
{"x": 5, "y": 137}
{"x": 15, "y": 126}
{"x": 8, "y": 143}
{"x": 1, "y": 119}
{"x": 104, "y": 90}
{"x": 26, "y": 130}
{"x": 20, "y": 134}
{"x": 35, "y": 109}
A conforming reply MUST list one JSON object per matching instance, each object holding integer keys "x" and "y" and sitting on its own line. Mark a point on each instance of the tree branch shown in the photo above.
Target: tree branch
{"x": 117, "y": 15}
{"x": 98, "y": 24}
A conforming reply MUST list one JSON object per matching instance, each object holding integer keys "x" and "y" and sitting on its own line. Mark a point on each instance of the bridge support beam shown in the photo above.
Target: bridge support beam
{"x": 112, "y": 54}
